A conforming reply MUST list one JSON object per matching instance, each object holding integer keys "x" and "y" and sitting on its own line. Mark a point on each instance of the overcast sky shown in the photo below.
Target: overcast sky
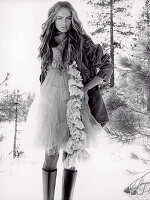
{"x": 20, "y": 22}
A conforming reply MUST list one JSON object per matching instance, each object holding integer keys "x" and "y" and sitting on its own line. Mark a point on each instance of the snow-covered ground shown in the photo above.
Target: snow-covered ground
{"x": 103, "y": 177}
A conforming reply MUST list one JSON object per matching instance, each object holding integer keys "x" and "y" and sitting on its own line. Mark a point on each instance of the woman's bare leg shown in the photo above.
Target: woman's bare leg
{"x": 64, "y": 157}
{"x": 51, "y": 159}
{"x": 49, "y": 173}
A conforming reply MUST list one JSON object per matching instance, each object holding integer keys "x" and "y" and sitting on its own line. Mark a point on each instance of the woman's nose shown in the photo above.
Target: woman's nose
{"x": 64, "y": 22}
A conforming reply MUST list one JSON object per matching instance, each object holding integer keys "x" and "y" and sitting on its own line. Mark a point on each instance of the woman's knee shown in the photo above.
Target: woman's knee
{"x": 50, "y": 162}
{"x": 51, "y": 159}
{"x": 64, "y": 156}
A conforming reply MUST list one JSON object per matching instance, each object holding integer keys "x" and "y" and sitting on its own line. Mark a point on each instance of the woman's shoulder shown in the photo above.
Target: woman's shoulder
{"x": 90, "y": 48}
{"x": 88, "y": 42}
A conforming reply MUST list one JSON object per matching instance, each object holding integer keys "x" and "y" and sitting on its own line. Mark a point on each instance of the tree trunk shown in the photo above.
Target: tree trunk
{"x": 147, "y": 6}
{"x": 147, "y": 12}
{"x": 111, "y": 42}
{"x": 15, "y": 136}
{"x": 148, "y": 103}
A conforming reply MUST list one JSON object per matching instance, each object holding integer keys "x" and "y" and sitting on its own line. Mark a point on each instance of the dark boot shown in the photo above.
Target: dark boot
{"x": 68, "y": 183}
{"x": 49, "y": 180}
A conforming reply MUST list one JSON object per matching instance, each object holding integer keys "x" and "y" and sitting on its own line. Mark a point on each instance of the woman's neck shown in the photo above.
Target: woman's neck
{"x": 60, "y": 37}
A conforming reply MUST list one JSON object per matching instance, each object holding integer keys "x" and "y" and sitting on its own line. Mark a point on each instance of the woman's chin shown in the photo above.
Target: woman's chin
{"x": 63, "y": 30}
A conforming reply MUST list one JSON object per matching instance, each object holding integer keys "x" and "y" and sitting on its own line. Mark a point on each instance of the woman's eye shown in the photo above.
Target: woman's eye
{"x": 66, "y": 18}
{"x": 59, "y": 17}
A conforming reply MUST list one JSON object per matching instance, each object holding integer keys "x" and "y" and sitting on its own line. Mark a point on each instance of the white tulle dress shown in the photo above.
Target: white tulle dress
{"x": 46, "y": 125}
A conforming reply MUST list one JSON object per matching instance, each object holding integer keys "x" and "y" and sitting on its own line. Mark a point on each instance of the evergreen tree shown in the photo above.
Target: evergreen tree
{"x": 8, "y": 104}
{"x": 144, "y": 17}
{"x": 14, "y": 107}
{"x": 110, "y": 17}
{"x": 5, "y": 80}
{"x": 128, "y": 105}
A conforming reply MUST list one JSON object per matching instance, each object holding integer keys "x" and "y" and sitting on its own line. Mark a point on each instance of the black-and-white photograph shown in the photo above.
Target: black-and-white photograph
{"x": 75, "y": 100}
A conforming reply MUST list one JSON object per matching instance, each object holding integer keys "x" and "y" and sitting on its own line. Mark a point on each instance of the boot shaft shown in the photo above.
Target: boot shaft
{"x": 49, "y": 181}
{"x": 68, "y": 184}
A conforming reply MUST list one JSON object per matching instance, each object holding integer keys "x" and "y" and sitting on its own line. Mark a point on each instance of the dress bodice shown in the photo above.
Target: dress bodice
{"x": 57, "y": 61}
{"x": 57, "y": 57}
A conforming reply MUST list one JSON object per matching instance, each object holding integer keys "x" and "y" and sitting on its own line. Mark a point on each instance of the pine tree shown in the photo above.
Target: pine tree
{"x": 144, "y": 24}
{"x": 129, "y": 115}
{"x": 5, "y": 80}
{"x": 109, "y": 17}
{"x": 8, "y": 104}
{"x": 127, "y": 103}
{"x": 14, "y": 108}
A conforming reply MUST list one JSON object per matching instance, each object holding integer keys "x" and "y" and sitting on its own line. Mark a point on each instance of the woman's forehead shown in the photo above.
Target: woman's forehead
{"x": 64, "y": 12}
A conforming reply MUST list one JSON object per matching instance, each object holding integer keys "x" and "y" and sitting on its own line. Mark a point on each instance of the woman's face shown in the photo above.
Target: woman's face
{"x": 63, "y": 20}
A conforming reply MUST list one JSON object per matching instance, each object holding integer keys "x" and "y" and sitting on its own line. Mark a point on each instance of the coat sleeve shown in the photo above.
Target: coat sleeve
{"x": 98, "y": 60}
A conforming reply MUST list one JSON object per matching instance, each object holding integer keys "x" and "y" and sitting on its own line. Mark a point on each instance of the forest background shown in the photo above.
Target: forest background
{"x": 122, "y": 27}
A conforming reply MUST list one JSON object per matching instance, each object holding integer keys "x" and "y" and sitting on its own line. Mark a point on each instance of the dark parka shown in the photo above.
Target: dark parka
{"x": 93, "y": 62}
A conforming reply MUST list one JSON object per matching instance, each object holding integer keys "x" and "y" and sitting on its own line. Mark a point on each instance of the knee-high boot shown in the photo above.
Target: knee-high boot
{"x": 49, "y": 181}
{"x": 68, "y": 183}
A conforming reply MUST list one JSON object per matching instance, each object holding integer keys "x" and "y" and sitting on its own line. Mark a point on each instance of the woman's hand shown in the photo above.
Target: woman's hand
{"x": 86, "y": 97}
{"x": 95, "y": 81}
{"x": 86, "y": 88}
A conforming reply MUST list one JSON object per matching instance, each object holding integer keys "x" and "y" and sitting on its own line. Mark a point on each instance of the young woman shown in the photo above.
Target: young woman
{"x": 70, "y": 110}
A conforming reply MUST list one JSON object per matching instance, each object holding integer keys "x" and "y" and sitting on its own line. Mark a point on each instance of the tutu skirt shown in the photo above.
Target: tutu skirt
{"x": 46, "y": 124}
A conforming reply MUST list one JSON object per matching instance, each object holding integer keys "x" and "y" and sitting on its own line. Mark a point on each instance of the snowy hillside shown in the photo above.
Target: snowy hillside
{"x": 103, "y": 177}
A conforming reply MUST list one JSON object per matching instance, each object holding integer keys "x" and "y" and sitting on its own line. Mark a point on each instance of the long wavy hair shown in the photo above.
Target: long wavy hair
{"x": 49, "y": 31}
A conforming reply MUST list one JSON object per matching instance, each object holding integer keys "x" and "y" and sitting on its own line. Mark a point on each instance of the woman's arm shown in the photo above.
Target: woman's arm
{"x": 98, "y": 62}
{"x": 95, "y": 81}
